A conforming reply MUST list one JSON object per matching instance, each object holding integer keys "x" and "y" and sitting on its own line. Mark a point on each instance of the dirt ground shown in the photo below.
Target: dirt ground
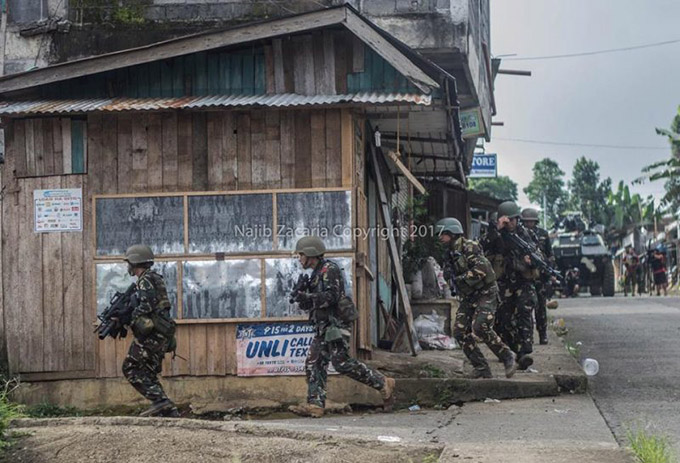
{"x": 72, "y": 440}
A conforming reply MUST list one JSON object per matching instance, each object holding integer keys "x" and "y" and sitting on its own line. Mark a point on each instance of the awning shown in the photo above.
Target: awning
{"x": 46, "y": 107}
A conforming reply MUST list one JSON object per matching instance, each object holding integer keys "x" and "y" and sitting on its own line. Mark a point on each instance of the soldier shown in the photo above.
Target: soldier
{"x": 331, "y": 340}
{"x": 542, "y": 240}
{"x": 516, "y": 275}
{"x": 154, "y": 332}
{"x": 475, "y": 283}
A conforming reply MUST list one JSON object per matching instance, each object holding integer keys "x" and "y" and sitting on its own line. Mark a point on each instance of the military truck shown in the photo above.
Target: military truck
{"x": 584, "y": 248}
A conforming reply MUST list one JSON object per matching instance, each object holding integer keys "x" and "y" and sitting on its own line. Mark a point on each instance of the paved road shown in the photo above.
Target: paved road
{"x": 637, "y": 343}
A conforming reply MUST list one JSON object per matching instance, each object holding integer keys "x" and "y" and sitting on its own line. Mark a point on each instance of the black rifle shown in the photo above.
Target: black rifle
{"x": 301, "y": 286}
{"x": 451, "y": 256}
{"x": 530, "y": 250}
{"x": 118, "y": 314}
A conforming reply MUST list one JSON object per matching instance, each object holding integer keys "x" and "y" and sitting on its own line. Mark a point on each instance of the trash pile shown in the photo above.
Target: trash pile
{"x": 431, "y": 334}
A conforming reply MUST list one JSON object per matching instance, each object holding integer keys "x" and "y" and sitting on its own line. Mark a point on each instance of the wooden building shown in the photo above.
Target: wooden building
{"x": 198, "y": 146}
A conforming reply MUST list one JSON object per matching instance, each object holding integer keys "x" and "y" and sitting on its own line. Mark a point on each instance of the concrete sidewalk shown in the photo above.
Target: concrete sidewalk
{"x": 437, "y": 378}
{"x": 566, "y": 428}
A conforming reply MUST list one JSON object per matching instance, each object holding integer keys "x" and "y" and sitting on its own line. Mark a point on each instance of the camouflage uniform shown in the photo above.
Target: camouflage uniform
{"x": 476, "y": 284}
{"x": 515, "y": 315}
{"x": 145, "y": 357}
{"x": 542, "y": 285}
{"x": 331, "y": 341}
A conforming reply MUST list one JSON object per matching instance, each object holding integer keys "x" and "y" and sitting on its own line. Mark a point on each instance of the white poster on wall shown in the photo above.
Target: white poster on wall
{"x": 58, "y": 210}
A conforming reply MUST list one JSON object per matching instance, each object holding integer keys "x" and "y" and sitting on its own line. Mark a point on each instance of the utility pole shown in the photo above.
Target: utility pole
{"x": 545, "y": 213}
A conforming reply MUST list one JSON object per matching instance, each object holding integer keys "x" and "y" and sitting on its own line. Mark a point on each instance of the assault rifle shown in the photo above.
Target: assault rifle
{"x": 301, "y": 286}
{"x": 530, "y": 250}
{"x": 449, "y": 274}
{"x": 117, "y": 315}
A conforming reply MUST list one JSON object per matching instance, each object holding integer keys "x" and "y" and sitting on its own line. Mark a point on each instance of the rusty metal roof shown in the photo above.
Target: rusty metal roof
{"x": 45, "y": 107}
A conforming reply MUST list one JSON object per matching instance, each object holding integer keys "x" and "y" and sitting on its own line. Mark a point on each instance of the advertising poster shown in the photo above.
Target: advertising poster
{"x": 58, "y": 210}
{"x": 273, "y": 349}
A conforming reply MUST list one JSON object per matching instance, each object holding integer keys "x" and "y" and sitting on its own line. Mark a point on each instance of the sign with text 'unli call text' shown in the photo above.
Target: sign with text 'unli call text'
{"x": 59, "y": 210}
{"x": 273, "y": 349}
{"x": 484, "y": 166}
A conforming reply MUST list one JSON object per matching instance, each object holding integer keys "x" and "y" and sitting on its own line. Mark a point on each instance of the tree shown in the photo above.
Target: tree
{"x": 501, "y": 187}
{"x": 548, "y": 181}
{"x": 627, "y": 209}
{"x": 668, "y": 170}
{"x": 587, "y": 193}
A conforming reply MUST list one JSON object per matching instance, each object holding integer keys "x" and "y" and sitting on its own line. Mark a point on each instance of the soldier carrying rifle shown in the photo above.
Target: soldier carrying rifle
{"x": 475, "y": 282}
{"x": 332, "y": 314}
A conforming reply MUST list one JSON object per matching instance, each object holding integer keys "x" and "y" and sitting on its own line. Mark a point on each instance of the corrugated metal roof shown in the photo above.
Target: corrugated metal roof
{"x": 43, "y": 107}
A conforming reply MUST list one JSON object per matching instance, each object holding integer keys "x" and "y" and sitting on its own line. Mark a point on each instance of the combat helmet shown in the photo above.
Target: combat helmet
{"x": 449, "y": 225}
{"x": 509, "y": 209}
{"x": 138, "y": 254}
{"x": 529, "y": 214}
{"x": 310, "y": 246}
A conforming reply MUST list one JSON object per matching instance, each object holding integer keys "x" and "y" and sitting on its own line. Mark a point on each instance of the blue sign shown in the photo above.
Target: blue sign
{"x": 484, "y": 166}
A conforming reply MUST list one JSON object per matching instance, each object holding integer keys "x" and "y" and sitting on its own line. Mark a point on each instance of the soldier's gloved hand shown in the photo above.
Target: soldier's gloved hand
{"x": 305, "y": 301}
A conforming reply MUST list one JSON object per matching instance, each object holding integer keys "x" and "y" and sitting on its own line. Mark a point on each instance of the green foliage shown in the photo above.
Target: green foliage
{"x": 587, "y": 193}
{"x": 8, "y": 409}
{"x": 418, "y": 248}
{"x": 433, "y": 371}
{"x": 548, "y": 180}
{"x": 573, "y": 349}
{"x": 501, "y": 187}
{"x": 626, "y": 209}
{"x": 649, "y": 447}
{"x": 48, "y": 410}
{"x": 669, "y": 169}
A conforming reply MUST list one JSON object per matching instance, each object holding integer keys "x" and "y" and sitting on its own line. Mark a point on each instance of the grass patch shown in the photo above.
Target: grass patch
{"x": 649, "y": 447}
{"x": 432, "y": 371}
{"x": 48, "y": 410}
{"x": 8, "y": 409}
{"x": 574, "y": 349}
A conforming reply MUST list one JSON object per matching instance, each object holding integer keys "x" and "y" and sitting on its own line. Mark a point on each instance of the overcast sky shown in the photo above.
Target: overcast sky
{"x": 613, "y": 99}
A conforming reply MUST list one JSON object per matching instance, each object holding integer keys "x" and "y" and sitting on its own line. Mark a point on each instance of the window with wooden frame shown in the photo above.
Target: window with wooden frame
{"x": 50, "y": 146}
{"x": 225, "y": 256}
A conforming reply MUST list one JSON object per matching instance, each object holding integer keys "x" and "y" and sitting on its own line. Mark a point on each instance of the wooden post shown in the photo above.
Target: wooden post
{"x": 394, "y": 252}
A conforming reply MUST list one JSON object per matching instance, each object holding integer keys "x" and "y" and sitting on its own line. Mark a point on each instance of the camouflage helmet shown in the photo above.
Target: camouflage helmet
{"x": 529, "y": 214}
{"x": 449, "y": 225}
{"x": 310, "y": 246}
{"x": 508, "y": 209}
{"x": 139, "y": 254}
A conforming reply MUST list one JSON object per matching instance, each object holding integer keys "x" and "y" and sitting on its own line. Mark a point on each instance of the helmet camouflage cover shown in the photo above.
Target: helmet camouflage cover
{"x": 139, "y": 254}
{"x": 449, "y": 225}
{"x": 508, "y": 209}
{"x": 310, "y": 246}
{"x": 530, "y": 214}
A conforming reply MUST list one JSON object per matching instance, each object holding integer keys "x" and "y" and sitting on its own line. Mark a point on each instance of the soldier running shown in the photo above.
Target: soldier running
{"x": 542, "y": 240}
{"x": 516, "y": 275}
{"x": 153, "y": 330}
{"x": 475, "y": 283}
{"x": 332, "y": 334}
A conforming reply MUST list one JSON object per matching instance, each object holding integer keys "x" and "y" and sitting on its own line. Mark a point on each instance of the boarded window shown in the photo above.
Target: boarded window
{"x": 50, "y": 146}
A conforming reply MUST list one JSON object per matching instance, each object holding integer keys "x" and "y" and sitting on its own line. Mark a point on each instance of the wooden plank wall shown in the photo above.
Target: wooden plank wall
{"x": 49, "y": 323}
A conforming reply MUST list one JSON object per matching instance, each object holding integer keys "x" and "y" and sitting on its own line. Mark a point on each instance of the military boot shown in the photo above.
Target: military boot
{"x": 158, "y": 408}
{"x": 543, "y": 338}
{"x": 387, "y": 393}
{"x": 310, "y": 410}
{"x": 483, "y": 373}
{"x": 510, "y": 365}
{"x": 524, "y": 361}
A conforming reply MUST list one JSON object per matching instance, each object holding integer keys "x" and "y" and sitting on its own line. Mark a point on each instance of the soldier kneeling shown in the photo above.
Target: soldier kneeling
{"x": 475, "y": 282}
{"x": 324, "y": 298}
{"x": 154, "y": 332}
